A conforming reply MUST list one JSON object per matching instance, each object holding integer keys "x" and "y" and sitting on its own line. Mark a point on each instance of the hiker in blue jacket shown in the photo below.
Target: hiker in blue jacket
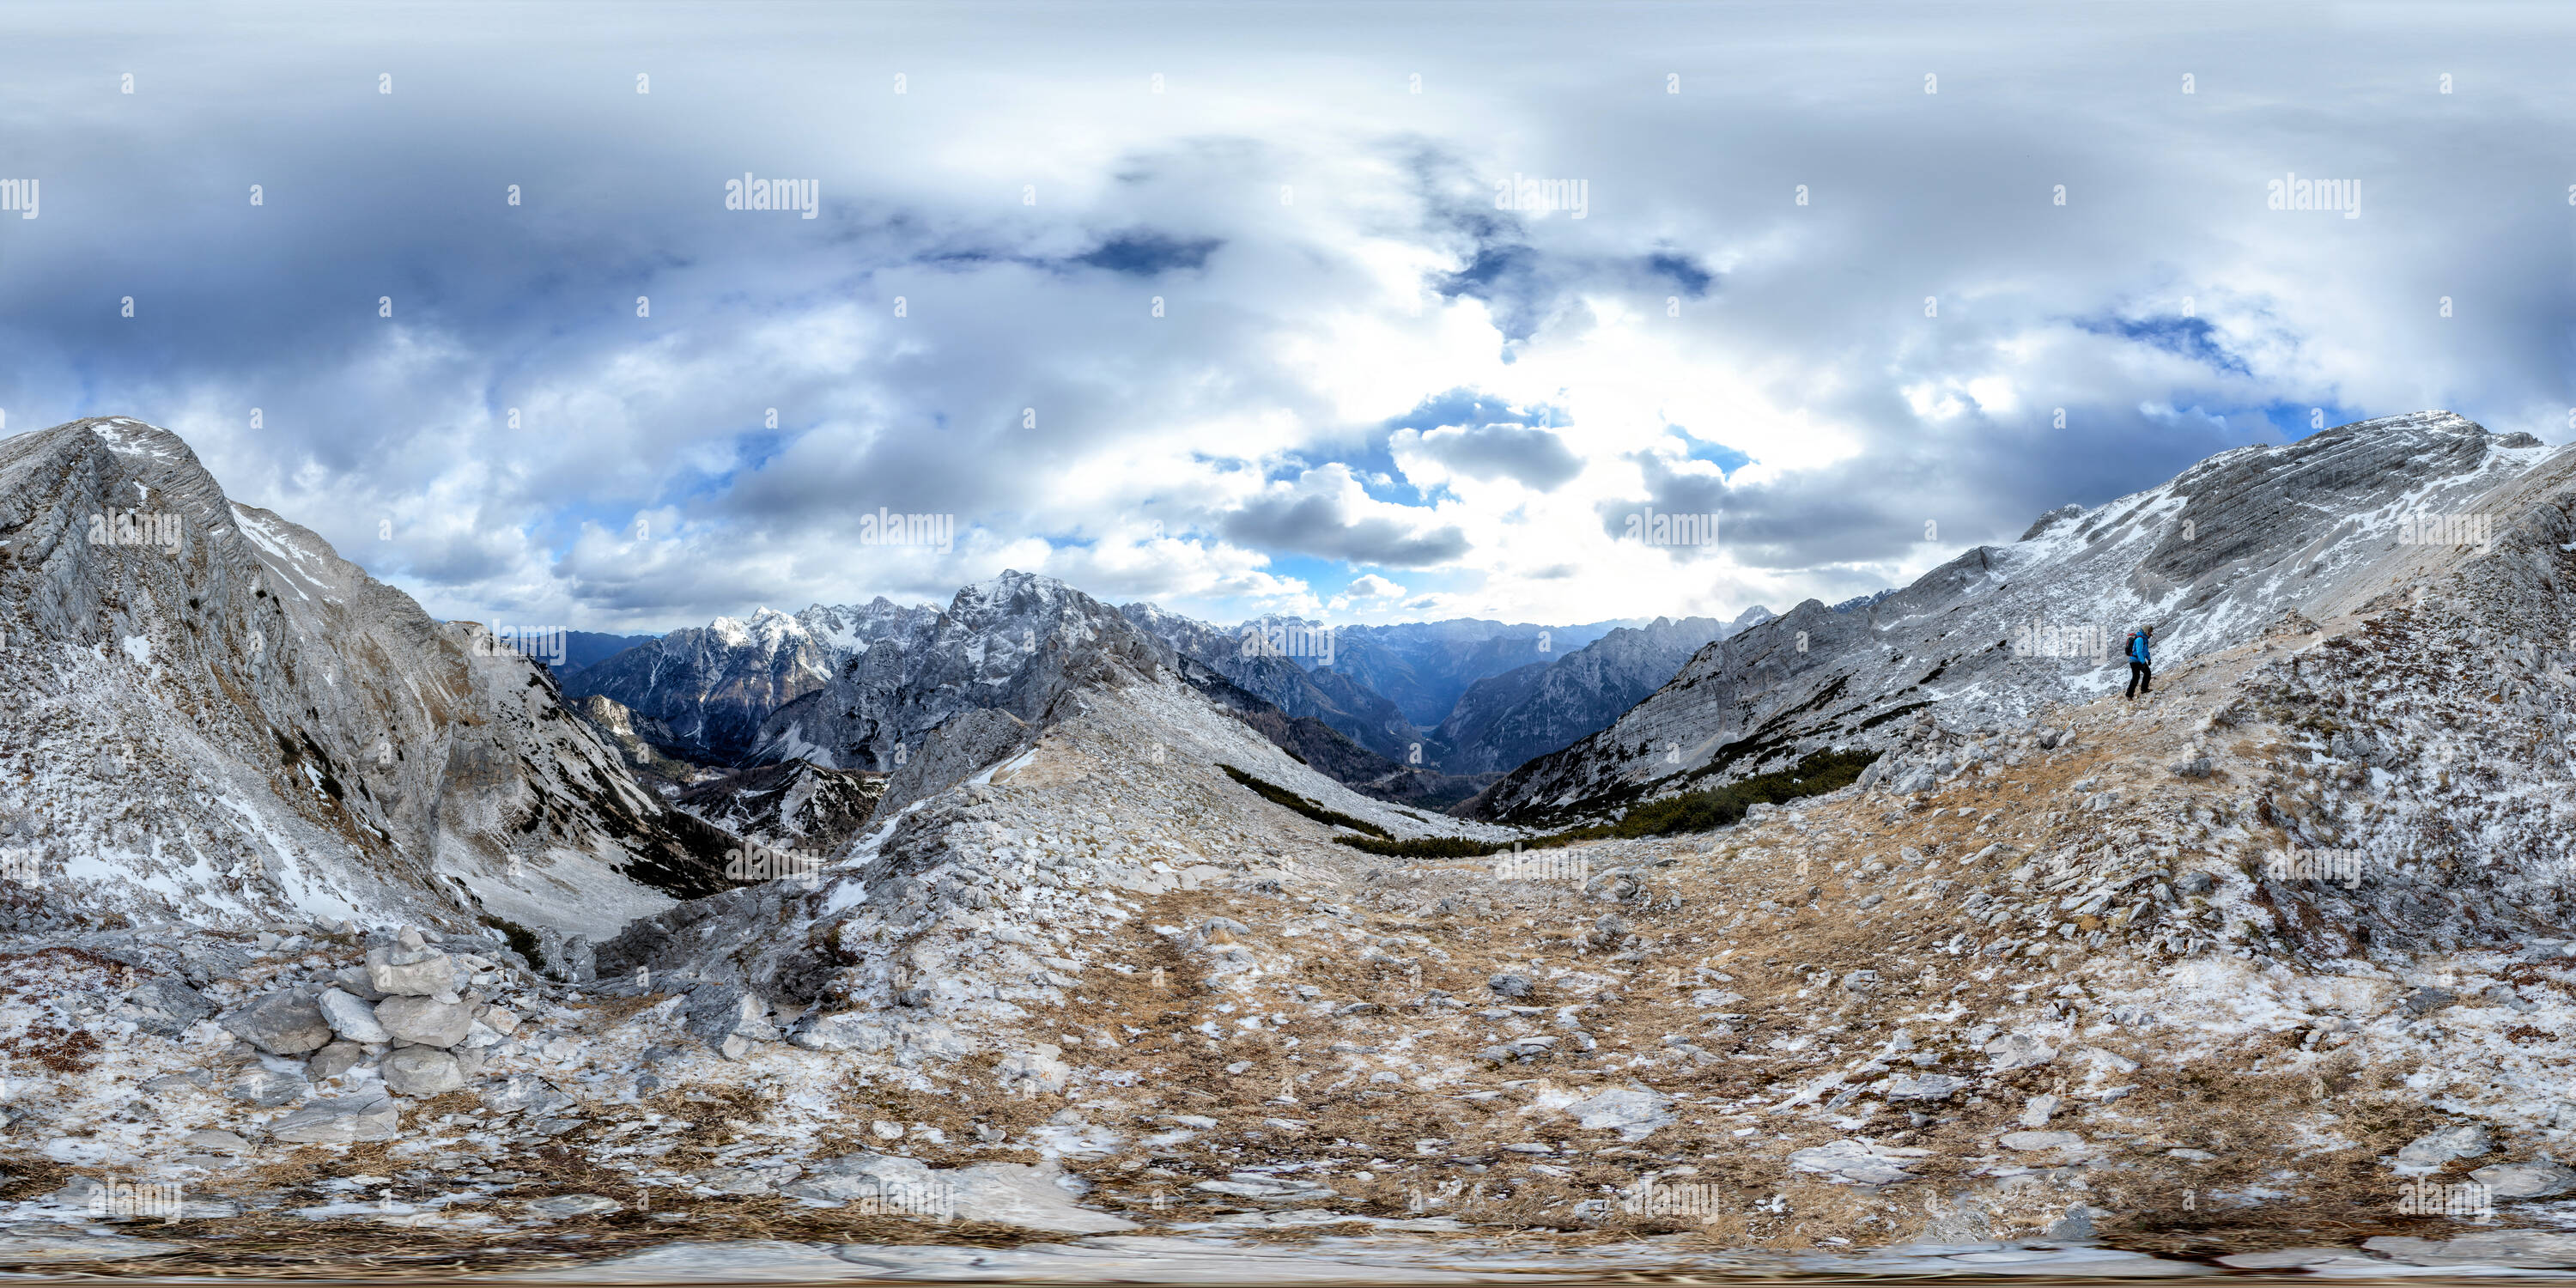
{"x": 2142, "y": 671}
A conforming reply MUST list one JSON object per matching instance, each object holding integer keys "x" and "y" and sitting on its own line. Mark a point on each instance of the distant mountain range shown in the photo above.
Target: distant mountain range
{"x": 713, "y": 686}
{"x": 1424, "y": 713}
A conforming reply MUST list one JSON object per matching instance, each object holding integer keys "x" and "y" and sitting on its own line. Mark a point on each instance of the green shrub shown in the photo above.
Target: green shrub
{"x": 1281, "y": 796}
{"x": 522, "y": 940}
{"x": 1818, "y": 773}
{"x": 1425, "y": 847}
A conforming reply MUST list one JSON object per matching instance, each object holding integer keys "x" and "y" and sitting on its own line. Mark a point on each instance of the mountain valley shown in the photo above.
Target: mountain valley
{"x": 1033, "y": 937}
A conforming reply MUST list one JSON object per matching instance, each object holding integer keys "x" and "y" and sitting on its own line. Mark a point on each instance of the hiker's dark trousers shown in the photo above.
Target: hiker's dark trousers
{"x": 2142, "y": 679}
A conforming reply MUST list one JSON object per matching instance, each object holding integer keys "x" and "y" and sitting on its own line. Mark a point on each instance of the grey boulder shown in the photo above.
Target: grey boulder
{"x": 164, "y": 1006}
{"x": 267, "y": 1089}
{"x": 523, "y": 1093}
{"x": 281, "y": 1023}
{"x": 1854, "y": 1162}
{"x": 334, "y": 1060}
{"x": 1013, "y": 1194}
{"x": 1634, "y": 1114}
{"x": 339, "y": 1121}
{"x": 422, "y": 1071}
{"x": 718, "y": 1012}
{"x": 425, "y": 1021}
{"x": 1928, "y": 1086}
{"x": 2434, "y": 1148}
{"x": 353, "y": 1018}
{"x": 2526, "y": 1180}
{"x": 418, "y": 972}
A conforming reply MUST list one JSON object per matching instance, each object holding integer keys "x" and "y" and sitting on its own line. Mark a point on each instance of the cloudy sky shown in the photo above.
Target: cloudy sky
{"x": 1239, "y": 308}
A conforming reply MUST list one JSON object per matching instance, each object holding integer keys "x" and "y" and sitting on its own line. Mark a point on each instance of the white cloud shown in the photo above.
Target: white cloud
{"x": 1233, "y": 455}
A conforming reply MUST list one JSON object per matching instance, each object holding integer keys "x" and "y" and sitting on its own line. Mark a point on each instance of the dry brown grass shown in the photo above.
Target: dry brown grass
{"x": 284, "y": 1246}
{"x": 604, "y": 1013}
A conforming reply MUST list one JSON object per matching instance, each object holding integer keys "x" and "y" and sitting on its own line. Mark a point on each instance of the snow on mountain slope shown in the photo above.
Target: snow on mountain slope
{"x": 713, "y": 686}
{"x": 210, "y": 716}
{"x": 1292, "y": 683}
{"x": 935, "y": 932}
{"x": 790, "y": 805}
{"x": 1015, "y": 643}
{"x": 2209, "y": 558}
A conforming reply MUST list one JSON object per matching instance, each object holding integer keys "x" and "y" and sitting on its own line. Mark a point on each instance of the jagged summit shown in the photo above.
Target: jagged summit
{"x": 766, "y": 628}
{"x": 713, "y": 686}
{"x": 1015, "y": 643}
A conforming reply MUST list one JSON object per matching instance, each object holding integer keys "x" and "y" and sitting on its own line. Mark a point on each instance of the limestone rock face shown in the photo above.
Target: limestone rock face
{"x": 245, "y": 726}
{"x": 1018, "y": 643}
{"x": 708, "y": 690}
{"x": 1503, "y": 721}
{"x": 1994, "y": 635}
{"x": 1297, "y": 688}
{"x": 165, "y": 1006}
{"x": 792, "y": 805}
{"x": 953, "y": 753}
{"x": 638, "y": 739}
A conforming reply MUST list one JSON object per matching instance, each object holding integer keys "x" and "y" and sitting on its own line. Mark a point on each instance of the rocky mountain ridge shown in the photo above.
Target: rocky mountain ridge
{"x": 227, "y": 722}
{"x": 1504, "y": 720}
{"x": 2209, "y": 558}
{"x": 714, "y": 686}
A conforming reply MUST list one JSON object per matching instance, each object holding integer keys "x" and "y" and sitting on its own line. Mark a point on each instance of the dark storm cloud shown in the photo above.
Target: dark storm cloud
{"x": 1320, "y": 525}
{"x": 1145, "y": 253}
{"x": 1692, "y": 279}
{"x": 1534, "y": 457}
